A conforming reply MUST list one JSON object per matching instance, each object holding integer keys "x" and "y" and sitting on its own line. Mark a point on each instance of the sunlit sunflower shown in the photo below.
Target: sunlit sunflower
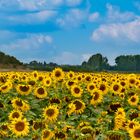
{"x": 40, "y": 92}
{"x": 70, "y": 83}
{"x": 76, "y": 91}
{"x": 47, "y": 134}
{"x": 135, "y": 133}
{"x": 47, "y": 82}
{"x": 79, "y": 106}
{"x": 120, "y": 111}
{"x": 116, "y": 87}
{"x": 51, "y": 113}
{"x": 35, "y": 74}
{"x": 91, "y": 87}
{"x": 20, "y": 127}
{"x": 17, "y": 103}
{"x": 96, "y": 97}
{"x": 23, "y": 89}
{"x": 15, "y": 114}
{"x": 131, "y": 124}
{"x": 70, "y": 74}
{"x": 6, "y": 87}
{"x": 103, "y": 87}
{"x": 58, "y": 74}
{"x": 133, "y": 100}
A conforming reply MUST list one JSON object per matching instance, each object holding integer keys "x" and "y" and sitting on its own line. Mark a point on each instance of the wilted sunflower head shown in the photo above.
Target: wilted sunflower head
{"x": 60, "y": 135}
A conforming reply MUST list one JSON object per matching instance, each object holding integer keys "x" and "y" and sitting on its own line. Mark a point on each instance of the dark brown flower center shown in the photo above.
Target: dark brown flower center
{"x": 137, "y": 133}
{"x": 91, "y": 87}
{"x": 102, "y": 87}
{"x": 60, "y": 135}
{"x": 78, "y": 105}
{"x": 50, "y": 112}
{"x": 19, "y": 103}
{"x": 57, "y": 73}
{"x": 76, "y": 90}
{"x": 133, "y": 99}
{"x": 37, "y": 125}
{"x": 115, "y": 87}
{"x": 40, "y": 91}
{"x": 46, "y": 134}
{"x": 96, "y": 96}
{"x": 19, "y": 126}
{"x": 131, "y": 125}
{"x": 15, "y": 115}
{"x": 24, "y": 88}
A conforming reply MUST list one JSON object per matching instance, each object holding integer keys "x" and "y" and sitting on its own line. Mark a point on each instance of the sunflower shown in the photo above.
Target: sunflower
{"x": 87, "y": 130}
{"x": 6, "y": 87}
{"x": 23, "y": 89}
{"x": 47, "y": 82}
{"x": 115, "y": 87}
{"x": 76, "y": 91}
{"x": 120, "y": 111}
{"x": 46, "y": 134}
{"x": 60, "y": 135}
{"x": 70, "y": 74}
{"x": 103, "y": 87}
{"x": 20, "y": 127}
{"x": 96, "y": 97}
{"x": 40, "y": 92}
{"x": 79, "y": 106}
{"x": 91, "y": 87}
{"x": 58, "y": 74}
{"x": 70, "y": 83}
{"x": 131, "y": 124}
{"x": 17, "y": 103}
{"x": 135, "y": 133}
{"x": 37, "y": 125}
{"x": 51, "y": 113}
{"x": 133, "y": 100}
{"x": 15, "y": 114}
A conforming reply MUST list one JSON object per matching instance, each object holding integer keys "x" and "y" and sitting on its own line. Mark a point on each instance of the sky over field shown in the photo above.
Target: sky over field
{"x": 69, "y": 31}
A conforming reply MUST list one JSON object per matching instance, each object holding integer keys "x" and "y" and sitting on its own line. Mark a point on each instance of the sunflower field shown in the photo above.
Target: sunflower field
{"x": 62, "y": 105}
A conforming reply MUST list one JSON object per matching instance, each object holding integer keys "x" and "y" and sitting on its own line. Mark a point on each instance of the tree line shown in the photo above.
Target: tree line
{"x": 97, "y": 62}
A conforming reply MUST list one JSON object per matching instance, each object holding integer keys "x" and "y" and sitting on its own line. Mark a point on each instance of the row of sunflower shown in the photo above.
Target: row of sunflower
{"x": 69, "y": 106}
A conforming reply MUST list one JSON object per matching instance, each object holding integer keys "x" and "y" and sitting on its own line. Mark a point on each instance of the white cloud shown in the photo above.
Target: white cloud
{"x": 33, "y": 18}
{"x": 72, "y": 19}
{"x": 115, "y": 15}
{"x": 93, "y": 17}
{"x": 32, "y": 41}
{"x": 129, "y": 31}
{"x": 73, "y": 2}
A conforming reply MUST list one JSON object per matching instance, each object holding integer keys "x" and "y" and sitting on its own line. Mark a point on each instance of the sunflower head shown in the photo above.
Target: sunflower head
{"x": 58, "y": 74}
{"x": 76, "y": 91}
{"x": 135, "y": 133}
{"x": 15, "y": 114}
{"x": 51, "y": 113}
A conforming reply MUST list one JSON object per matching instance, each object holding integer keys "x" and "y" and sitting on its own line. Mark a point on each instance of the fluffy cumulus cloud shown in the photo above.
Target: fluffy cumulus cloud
{"x": 30, "y": 42}
{"x": 130, "y": 31}
{"x": 73, "y": 18}
{"x": 127, "y": 27}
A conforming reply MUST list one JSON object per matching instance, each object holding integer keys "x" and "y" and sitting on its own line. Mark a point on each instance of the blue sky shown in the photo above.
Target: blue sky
{"x": 69, "y": 31}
